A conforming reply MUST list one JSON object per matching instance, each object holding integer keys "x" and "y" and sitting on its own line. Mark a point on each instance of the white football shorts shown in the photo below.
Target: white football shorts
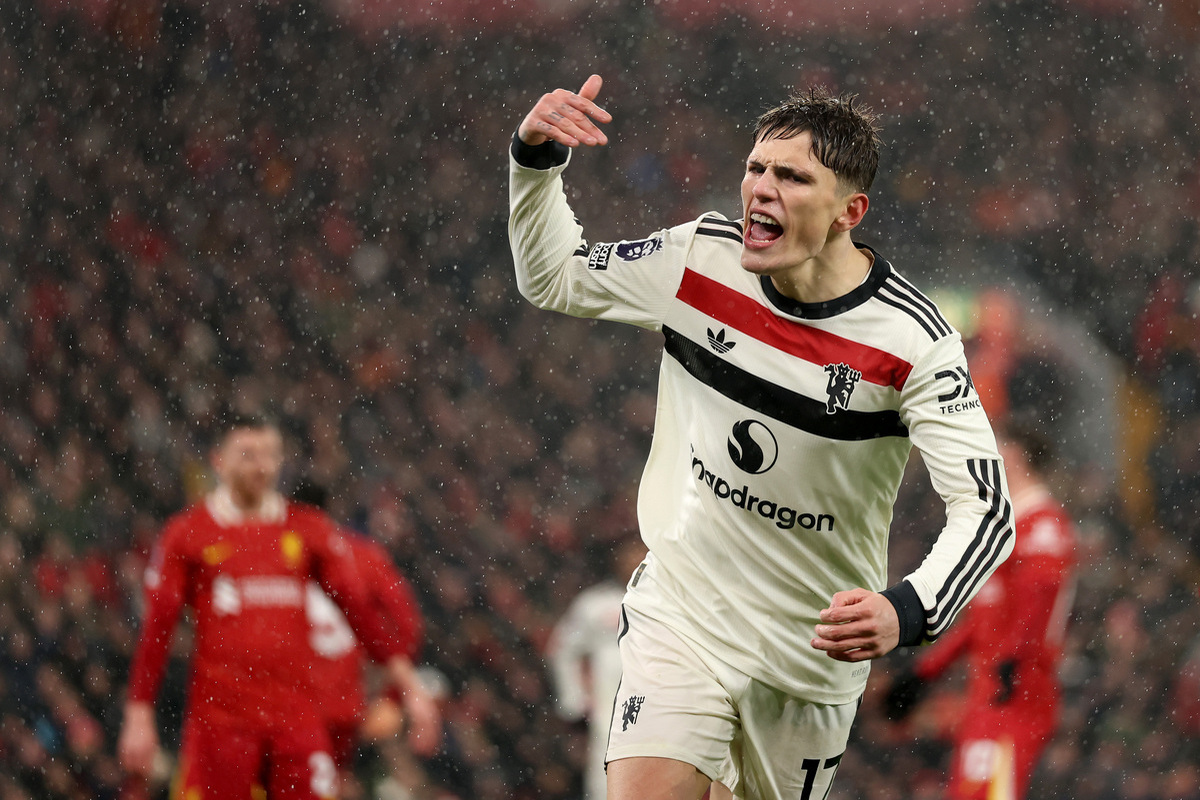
{"x": 678, "y": 701}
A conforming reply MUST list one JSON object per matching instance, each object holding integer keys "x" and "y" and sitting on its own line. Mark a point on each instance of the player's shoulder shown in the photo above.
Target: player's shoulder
{"x": 312, "y": 523}
{"x": 367, "y": 550}
{"x": 908, "y": 306}
{"x": 717, "y": 226}
{"x": 187, "y": 520}
{"x": 670, "y": 244}
{"x": 713, "y": 246}
{"x": 185, "y": 534}
{"x": 302, "y": 513}
{"x": 1044, "y": 526}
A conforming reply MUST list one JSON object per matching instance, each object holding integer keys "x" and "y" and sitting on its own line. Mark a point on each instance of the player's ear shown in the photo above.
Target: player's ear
{"x": 216, "y": 458}
{"x": 855, "y": 210}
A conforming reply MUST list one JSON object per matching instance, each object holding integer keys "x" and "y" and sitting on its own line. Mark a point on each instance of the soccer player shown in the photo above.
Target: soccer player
{"x": 341, "y": 659}
{"x": 241, "y": 559}
{"x": 799, "y": 369}
{"x": 1011, "y": 639}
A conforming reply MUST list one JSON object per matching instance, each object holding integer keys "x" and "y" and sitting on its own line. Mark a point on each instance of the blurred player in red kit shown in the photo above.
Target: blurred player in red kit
{"x": 241, "y": 559}
{"x": 1011, "y": 638}
{"x": 341, "y": 659}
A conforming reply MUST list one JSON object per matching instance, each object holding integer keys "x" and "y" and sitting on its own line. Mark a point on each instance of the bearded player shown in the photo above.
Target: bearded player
{"x": 240, "y": 559}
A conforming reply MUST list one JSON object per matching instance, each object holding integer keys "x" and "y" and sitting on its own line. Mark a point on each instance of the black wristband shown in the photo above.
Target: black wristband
{"x": 909, "y": 610}
{"x": 546, "y": 155}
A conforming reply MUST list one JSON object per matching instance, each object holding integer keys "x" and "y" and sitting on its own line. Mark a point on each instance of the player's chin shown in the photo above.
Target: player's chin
{"x": 756, "y": 261}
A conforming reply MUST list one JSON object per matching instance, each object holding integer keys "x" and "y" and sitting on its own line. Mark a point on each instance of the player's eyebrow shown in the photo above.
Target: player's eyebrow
{"x": 780, "y": 168}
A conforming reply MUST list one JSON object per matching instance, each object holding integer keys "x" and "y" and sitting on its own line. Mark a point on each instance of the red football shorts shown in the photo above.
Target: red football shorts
{"x": 225, "y": 760}
{"x": 996, "y": 752}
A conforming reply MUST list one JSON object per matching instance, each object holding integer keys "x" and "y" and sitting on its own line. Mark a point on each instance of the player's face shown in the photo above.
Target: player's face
{"x": 248, "y": 462}
{"x": 792, "y": 204}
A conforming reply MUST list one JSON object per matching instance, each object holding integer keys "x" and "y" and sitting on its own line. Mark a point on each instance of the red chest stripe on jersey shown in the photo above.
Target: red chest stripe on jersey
{"x": 778, "y": 402}
{"x": 802, "y": 341}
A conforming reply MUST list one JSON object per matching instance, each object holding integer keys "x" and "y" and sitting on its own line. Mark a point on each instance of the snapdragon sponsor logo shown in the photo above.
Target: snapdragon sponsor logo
{"x": 784, "y": 517}
{"x": 756, "y": 460}
{"x": 752, "y": 447}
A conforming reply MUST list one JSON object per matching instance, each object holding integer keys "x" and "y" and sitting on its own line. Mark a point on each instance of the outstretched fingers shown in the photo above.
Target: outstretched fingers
{"x": 567, "y": 117}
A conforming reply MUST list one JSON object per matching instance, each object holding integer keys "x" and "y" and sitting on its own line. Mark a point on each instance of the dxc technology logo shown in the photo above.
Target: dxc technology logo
{"x": 959, "y": 397}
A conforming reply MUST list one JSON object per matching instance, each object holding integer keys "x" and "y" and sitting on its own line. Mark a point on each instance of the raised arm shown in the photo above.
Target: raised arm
{"x": 555, "y": 266}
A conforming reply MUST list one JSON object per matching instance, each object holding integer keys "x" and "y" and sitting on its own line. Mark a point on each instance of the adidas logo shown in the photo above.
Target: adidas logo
{"x": 717, "y": 342}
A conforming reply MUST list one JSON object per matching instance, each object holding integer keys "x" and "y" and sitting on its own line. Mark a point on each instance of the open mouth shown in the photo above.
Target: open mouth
{"x": 763, "y": 228}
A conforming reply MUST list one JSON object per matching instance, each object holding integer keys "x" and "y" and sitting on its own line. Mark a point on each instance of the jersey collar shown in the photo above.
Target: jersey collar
{"x": 880, "y": 270}
{"x": 222, "y": 508}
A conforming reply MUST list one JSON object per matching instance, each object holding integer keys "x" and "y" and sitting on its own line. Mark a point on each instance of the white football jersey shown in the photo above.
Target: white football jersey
{"x": 781, "y": 437}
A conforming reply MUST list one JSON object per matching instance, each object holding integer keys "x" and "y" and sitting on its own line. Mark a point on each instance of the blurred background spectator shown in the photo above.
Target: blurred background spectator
{"x": 301, "y": 206}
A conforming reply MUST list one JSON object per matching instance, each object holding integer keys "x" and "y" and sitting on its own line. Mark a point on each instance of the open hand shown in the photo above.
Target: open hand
{"x": 567, "y": 117}
{"x": 137, "y": 746}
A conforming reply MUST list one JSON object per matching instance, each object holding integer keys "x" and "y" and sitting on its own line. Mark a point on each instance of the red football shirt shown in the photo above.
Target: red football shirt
{"x": 340, "y": 657}
{"x": 245, "y": 580}
{"x": 1018, "y": 617}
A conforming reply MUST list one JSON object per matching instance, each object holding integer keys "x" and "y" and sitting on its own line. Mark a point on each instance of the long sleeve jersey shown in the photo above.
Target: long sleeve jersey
{"x": 1011, "y": 636}
{"x": 781, "y": 435}
{"x": 244, "y": 580}
{"x": 340, "y": 657}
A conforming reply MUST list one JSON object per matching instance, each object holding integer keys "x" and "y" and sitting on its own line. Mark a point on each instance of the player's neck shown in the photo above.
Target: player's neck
{"x": 834, "y": 273}
{"x": 251, "y": 505}
{"x": 1021, "y": 482}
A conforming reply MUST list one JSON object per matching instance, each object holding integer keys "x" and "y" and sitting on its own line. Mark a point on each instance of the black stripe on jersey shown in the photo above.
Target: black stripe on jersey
{"x": 993, "y": 533}
{"x": 921, "y": 299}
{"x": 885, "y": 299}
{"x": 624, "y": 625}
{"x": 901, "y": 294}
{"x": 720, "y": 228}
{"x": 790, "y": 408}
{"x": 583, "y": 248}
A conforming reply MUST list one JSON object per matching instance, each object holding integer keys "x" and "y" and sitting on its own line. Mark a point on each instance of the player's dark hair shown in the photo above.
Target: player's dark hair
{"x": 1033, "y": 440}
{"x": 309, "y": 492}
{"x": 238, "y": 419}
{"x": 845, "y": 134}
{"x": 228, "y": 421}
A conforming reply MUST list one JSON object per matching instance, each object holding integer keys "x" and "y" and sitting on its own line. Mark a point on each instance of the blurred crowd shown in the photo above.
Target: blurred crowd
{"x": 252, "y": 207}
